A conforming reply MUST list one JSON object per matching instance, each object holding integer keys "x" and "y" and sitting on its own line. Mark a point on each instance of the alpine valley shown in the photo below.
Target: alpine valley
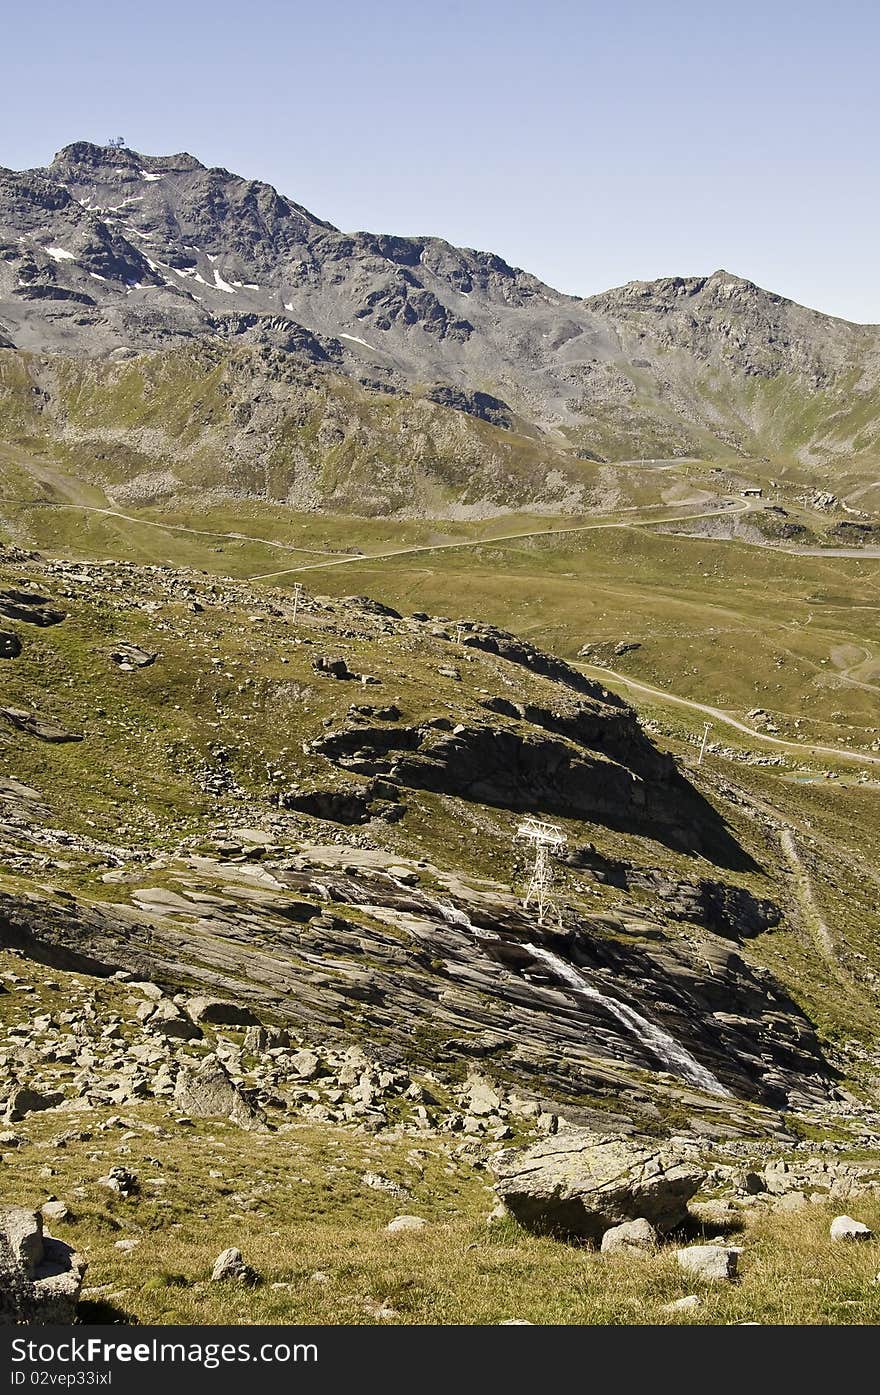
{"x": 334, "y": 567}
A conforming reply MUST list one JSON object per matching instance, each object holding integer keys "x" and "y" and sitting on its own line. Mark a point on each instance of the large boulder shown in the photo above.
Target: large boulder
{"x": 40, "y": 1277}
{"x": 209, "y": 1092}
{"x": 24, "y": 1100}
{"x": 166, "y": 1020}
{"x": 579, "y": 1183}
{"x": 221, "y": 1013}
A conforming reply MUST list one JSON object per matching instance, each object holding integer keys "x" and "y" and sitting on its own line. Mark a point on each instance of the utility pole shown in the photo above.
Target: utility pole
{"x": 707, "y": 727}
{"x": 542, "y": 838}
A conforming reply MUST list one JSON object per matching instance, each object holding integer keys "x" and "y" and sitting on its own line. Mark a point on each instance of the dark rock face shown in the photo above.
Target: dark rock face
{"x": 10, "y": 644}
{"x": 33, "y": 725}
{"x": 600, "y": 767}
{"x": 520, "y": 651}
{"x": 30, "y": 607}
{"x": 218, "y": 1011}
{"x": 579, "y": 1184}
{"x": 727, "y": 910}
{"x": 338, "y": 806}
{"x": 477, "y": 404}
{"x": 854, "y": 533}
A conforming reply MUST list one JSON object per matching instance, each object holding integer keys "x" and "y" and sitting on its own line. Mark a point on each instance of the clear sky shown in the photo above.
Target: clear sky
{"x": 592, "y": 143}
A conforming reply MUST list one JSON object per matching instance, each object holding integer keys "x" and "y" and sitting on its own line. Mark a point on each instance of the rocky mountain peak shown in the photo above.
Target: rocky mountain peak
{"x": 108, "y": 249}
{"x": 85, "y": 155}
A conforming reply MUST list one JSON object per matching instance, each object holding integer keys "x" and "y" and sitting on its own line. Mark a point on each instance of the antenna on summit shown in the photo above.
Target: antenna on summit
{"x": 543, "y": 838}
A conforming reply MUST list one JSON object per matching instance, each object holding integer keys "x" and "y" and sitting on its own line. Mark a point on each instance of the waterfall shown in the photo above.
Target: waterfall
{"x": 454, "y": 916}
{"x": 675, "y": 1058}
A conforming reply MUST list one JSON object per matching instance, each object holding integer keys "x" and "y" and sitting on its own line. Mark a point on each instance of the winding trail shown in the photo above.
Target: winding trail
{"x": 727, "y": 511}
{"x": 168, "y": 527}
{"x": 810, "y": 913}
{"x": 719, "y": 715}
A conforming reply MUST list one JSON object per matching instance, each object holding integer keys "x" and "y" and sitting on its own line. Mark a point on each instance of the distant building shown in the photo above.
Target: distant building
{"x": 753, "y": 493}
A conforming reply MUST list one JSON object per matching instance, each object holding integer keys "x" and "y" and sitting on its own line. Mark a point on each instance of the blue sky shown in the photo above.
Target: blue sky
{"x": 591, "y": 143}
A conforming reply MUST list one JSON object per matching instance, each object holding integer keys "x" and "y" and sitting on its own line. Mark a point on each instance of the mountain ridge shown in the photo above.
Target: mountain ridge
{"x": 106, "y": 254}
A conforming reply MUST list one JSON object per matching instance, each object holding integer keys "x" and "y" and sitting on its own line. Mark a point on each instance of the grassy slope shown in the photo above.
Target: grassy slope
{"x": 696, "y": 607}
{"x": 260, "y": 424}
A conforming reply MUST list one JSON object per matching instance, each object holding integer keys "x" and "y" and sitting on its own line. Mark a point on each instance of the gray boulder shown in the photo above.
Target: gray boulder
{"x": 24, "y": 1101}
{"x": 221, "y": 1013}
{"x": 210, "y": 1093}
{"x": 306, "y": 1064}
{"x": 167, "y": 1021}
{"x": 845, "y": 1228}
{"x": 632, "y": 1238}
{"x": 579, "y": 1183}
{"x": 40, "y": 1277}
{"x": 229, "y": 1264}
{"x": 712, "y": 1263}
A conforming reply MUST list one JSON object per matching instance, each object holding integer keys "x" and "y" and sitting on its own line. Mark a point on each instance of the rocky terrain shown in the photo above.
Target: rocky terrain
{"x": 255, "y": 881}
{"x": 285, "y": 1032}
{"x": 299, "y": 906}
{"x": 316, "y": 366}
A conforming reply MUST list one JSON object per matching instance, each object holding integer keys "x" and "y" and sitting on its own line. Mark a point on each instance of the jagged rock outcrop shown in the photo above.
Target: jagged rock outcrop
{"x": 40, "y": 1277}
{"x": 207, "y": 1092}
{"x": 580, "y": 1184}
{"x": 29, "y": 607}
{"x": 727, "y": 910}
{"x": 34, "y": 725}
{"x": 600, "y": 767}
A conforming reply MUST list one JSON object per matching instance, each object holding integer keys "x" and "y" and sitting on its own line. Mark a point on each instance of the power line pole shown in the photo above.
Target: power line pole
{"x": 707, "y": 727}
{"x": 543, "y": 838}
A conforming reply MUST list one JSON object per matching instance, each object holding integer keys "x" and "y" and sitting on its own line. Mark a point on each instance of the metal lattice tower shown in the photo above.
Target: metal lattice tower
{"x": 297, "y": 597}
{"x": 542, "y": 838}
